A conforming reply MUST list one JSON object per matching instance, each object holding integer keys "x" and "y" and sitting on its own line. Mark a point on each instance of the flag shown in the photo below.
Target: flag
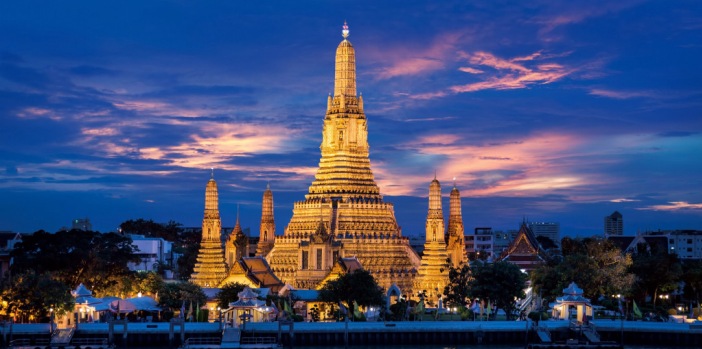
{"x": 190, "y": 312}
{"x": 182, "y": 310}
{"x": 488, "y": 311}
{"x": 342, "y": 309}
{"x": 356, "y": 312}
{"x": 287, "y": 308}
{"x": 621, "y": 310}
{"x": 637, "y": 311}
{"x": 419, "y": 308}
{"x": 197, "y": 312}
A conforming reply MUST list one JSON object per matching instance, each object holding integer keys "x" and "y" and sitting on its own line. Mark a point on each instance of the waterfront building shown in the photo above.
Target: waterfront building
{"x": 686, "y": 243}
{"x": 210, "y": 268}
{"x": 524, "y": 251}
{"x": 551, "y": 230}
{"x": 343, "y": 213}
{"x": 432, "y": 275}
{"x": 456, "y": 245}
{"x": 153, "y": 253}
{"x": 266, "y": 239}
{"x": 614, "y": 224}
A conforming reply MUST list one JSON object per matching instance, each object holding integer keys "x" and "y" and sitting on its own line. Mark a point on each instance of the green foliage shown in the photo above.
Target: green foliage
{"x": 32, "y": 295}
{"x": 229, "y": 293}
{"x": 656, "y": 272}
{"x": 129, "y": 285}
{"x": 499, "y": 282}
{"x": 169, "y": 231}
{"x": 537, "y": 316}
{"x": 172, "y": 295}
{"x": 359, "y": 286}
{"x": 456, "y": 291}
{"x": 97, "y": 260}
{"x": 595, "y": 264}
{"x": 188, "y": 246}
{"x": 398, "y": 311}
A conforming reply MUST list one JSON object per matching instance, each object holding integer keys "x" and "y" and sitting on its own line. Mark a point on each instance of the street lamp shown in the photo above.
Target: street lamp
{"x": 51, "y": 320}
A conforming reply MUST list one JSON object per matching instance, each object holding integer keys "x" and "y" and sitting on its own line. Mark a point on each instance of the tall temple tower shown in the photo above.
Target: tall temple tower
{"x": 267, "y": 230}
{"x": 210, "y": 268}
{"x": 343, "y": 214}
{"x": 455, "y": 237}
{"x": 237, "y": 244}
{"x": 432, "y": 276}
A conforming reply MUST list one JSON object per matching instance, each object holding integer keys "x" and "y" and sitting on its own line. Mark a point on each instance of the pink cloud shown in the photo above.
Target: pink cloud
{"x": 539, "y": 163}
{"x": 490, "y": 60}
{"x": 470, "y": 70}
{"x": 674, "y": 206}
{"x": 623, "y": 200}
{"x": 621, "y": 94}
{"x": 410, "y": 61}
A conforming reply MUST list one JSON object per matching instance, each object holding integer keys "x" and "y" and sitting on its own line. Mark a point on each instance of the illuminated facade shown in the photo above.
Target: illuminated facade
{"x": 432, "y": 276}
{"x": 267, "y": 229}
{"x": 456, "y": 246}
{"x": 343, "y": 214}
{"x": 210, "y": 268}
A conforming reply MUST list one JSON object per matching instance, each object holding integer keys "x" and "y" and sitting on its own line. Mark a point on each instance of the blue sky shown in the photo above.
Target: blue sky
{"x": 549, "y": 110}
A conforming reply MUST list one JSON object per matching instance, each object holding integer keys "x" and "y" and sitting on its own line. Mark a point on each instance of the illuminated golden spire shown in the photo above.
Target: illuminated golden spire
{"x": 345, "y": 72}
{"x": 210, "y": 268}
{"x": 435, "y": 215}
{"x": 267, "y": 228}
{"x": 456, "y": 242}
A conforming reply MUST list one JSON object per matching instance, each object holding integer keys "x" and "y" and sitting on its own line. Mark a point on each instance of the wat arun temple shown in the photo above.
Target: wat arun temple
{"x": 343, "y": 219}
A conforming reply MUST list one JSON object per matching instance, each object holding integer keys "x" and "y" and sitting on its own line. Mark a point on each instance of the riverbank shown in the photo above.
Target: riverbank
{"x": 370, "y": 333}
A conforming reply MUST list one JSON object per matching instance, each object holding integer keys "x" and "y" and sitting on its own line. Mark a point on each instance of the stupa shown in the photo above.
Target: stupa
{"x": 343, "y": 214}
{"x": 210, "y": 268}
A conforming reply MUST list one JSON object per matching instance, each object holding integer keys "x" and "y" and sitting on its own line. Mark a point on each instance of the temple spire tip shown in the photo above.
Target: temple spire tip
{"x": 345, "y": 31}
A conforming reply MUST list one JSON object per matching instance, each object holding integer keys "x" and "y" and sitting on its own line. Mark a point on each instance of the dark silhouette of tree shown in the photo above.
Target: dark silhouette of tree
{"x": 32, "y": 294}
{"x": 656, "y": 272}
{"x": 169, "y": 231}
{"x": 359, "y": 286}
{"x": 72, "y": 257}
{"x": 172, "y": 295}
{"x": 456, "y": 291}
{"x": 500, "y": 282}
{"x": 229, "y": 293}
{"x": 546, "y": 242}
{"x": 595, "y": 264}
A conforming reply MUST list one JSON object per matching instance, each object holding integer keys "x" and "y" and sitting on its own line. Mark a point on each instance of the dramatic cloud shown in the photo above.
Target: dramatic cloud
{"x": 674, "y": 206}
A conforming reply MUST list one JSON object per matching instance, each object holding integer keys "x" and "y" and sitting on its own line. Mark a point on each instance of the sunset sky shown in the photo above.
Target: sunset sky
{"x": 560, "y": 111}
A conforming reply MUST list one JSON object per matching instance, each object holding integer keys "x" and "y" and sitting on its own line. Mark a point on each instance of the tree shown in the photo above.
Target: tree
{"x": 656, "y": 272}
{"x": 72, "y": 257}
{"x": 546, "y": 242}
{"x": 456, "y": 291}
{"x": 30, "y": 296}
{"x": 500, "y": 282}
{"x": 595, "y": 264}
{"x": 169, "y": 231}
{"x": 229, "y": 293}
{"x": 172, "y": 295}
{"x": 358, "y": 286}
{"x": 188, "y": 246}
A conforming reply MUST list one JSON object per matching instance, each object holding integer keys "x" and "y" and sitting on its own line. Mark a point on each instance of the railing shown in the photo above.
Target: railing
{"x": 28, "y": 343}
{"x": 202, "y": 341}
{"x": 259, "y": 340}
{"x": 89, "y": 341}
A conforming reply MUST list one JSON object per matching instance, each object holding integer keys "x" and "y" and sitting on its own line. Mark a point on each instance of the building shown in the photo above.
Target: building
{"x": 210, "y": 268}
{"x": 432, "y": 275}
{"x": 81, "y": 224}
{"x": 549, "y": 230}
{"x": 266, "y": 238}
{"x": 456, "y": 245}
{"x": 524, "y": 251}
{"x": 614, "y": 224}
{"x": 8, "y": 239}
{"x": 502, "y": 239}
{"x": 480, "y": 245}
{"x": 153, "y": 252}
{"x": 343, "y": 214}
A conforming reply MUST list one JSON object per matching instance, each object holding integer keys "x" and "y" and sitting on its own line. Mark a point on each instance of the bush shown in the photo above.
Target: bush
{"x": 672, "y": 311}
{"x": 537, "y": 316}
